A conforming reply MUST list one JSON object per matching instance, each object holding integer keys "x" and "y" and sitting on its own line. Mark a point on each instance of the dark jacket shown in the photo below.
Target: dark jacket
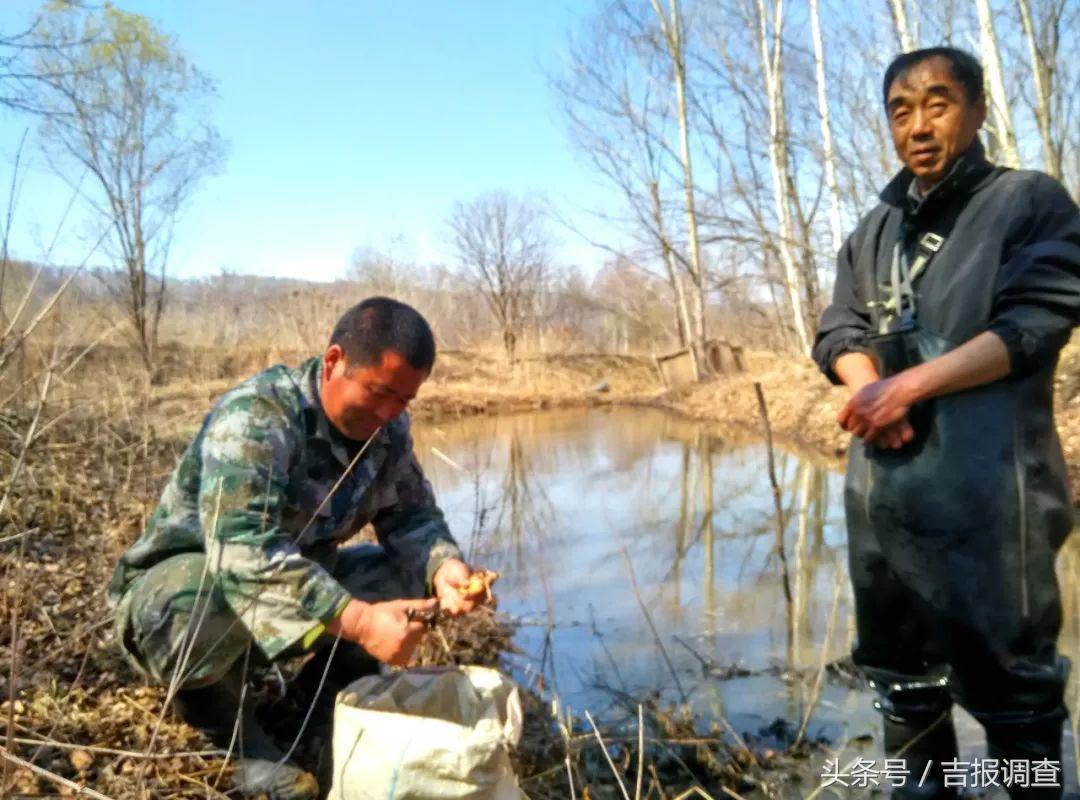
{"x": 1011, "y": 264}
{"x": 952, "y": 538}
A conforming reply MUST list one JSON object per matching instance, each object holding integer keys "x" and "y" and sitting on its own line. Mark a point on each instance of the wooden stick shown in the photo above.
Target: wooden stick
{"x": 112, "y": 751}
{"x": 781, "y": 523}
{"x": 815, "y": 692}
{"x": 79, "y": 790}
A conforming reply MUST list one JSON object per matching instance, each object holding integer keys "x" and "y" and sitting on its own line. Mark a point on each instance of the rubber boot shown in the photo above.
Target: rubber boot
{"x": 261, "y": 768}
{"x": 923, "y": 743}
{"x": 1032, "y": 743}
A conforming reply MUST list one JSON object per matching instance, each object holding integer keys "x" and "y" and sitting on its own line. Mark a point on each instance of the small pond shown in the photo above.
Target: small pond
{"x": 639, "y": 552}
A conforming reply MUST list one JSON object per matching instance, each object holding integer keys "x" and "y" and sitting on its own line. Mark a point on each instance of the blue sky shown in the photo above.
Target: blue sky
{"x": 349, "y": 124}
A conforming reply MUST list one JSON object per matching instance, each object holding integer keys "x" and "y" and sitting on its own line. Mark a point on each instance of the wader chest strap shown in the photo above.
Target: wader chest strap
{"x": 900, "y": 307}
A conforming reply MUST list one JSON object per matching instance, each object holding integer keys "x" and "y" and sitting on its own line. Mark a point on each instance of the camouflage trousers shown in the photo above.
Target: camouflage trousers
{"x": 174, "y": 620}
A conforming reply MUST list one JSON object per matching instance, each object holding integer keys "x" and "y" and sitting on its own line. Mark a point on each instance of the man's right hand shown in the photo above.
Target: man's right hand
{"x": 383, "y": 629}
{"x": 858, "y": 370}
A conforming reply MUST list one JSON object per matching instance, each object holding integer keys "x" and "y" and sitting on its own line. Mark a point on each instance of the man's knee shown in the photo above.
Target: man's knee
{"x": 1018, "y": 691}
{"x": 176, "y": 625}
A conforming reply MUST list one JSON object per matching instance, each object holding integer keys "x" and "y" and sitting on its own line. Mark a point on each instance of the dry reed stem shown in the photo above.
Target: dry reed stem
{"x": 112, "y": 751}
{"x": 28, "y": 440}
{"x": 607, "y": 755}
{"x": 652, "y": 627}
{"x": 79, "y": 790}
{"x": 640, "y": 752}
{"x": 16, "y": 612}
{"x": 657, "y": 782}
{"x": 815, "y": 692}
{"x": 697, "y": 790}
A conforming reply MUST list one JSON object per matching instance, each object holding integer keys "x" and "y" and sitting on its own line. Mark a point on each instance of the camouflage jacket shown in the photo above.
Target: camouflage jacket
{"x": 251, "y": 491}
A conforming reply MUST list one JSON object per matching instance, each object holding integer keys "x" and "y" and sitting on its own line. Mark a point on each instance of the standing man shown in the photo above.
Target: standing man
{"x": 953, "y": 298}
{"x": 240, "y": 563}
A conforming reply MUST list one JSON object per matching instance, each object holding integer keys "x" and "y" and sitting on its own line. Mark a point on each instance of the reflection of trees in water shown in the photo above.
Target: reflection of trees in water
{"x": 523, "y": 511}
{"x": 813, "y": 492}
{"x": 511, "y": 515}
{"x": 563, "y": 440}
{"x": 804, "y": 489}
{"x": 676, "y": 487}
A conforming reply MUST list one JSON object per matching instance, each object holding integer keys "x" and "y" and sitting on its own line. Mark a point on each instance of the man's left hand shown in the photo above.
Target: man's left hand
{"x": 876, "y": 407}
{"x": 451, "y": 574}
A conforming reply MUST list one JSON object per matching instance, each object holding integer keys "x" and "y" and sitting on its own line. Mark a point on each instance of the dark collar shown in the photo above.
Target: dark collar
{"x": 970, "y": 169}
{"x": 343, "y": 448}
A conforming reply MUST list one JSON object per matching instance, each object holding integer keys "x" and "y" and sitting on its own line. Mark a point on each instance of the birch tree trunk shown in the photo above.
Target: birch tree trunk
{"x": 772, "y": 68}
{"x": 900, "y": 23}
{"x": 1041, "y": 75}
{"x": 671, "y": 28}
{"x": 675, "y": 279}
{"x": 826, "y": 130}
{"x": 1003, "y": 131}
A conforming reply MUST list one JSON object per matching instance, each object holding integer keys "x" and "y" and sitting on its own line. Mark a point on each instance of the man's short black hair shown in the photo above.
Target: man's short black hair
{"x": 377, "y": 324}
{"x": 964, "y": 68}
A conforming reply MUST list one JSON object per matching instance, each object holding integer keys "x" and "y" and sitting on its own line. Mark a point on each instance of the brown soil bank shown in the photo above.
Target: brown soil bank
{"x": 802, "y": 405}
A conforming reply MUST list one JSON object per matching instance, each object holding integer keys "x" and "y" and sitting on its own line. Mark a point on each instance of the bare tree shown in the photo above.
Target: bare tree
{"x": 382, "y": 272}
{"x": 503, "y": 251}
{"x": 621, "y": 97}
{"x": 674, "y": 275}
{"x": 1002, "y": 131}
{"x": 1041, "y": 76}
{"x": 828, "y": 156}
{"x": 15, "y": 74}
{"x": 671, "y": 30}
{"x": 1043, "y": 44}
{"x": 787, "y": 149}
{"x": 18, "y": 50}
{"x": 772, "y": 61}
{"x": 905, "y": 36}
{"x": 125, "y": 109}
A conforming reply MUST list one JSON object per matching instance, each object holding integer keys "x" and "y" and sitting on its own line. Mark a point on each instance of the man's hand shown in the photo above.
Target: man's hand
{"x": 894, "y": 436}
{"x": 857, "y": 371}
{"x": 383, "y": 629}
{"x": 450, "y": 575}
{"x": 878, "y": 413}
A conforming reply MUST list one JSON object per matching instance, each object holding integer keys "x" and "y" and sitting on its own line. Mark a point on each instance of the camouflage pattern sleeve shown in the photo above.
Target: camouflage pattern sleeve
{"x": 409, "y": 524}
{"x": 279, "y": 594}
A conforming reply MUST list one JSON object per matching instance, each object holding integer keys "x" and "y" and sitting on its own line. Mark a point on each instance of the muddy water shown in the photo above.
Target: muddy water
{"x": 640, "y": 552}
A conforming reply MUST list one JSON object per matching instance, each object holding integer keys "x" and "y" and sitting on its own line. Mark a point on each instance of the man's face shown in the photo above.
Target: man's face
{"x": 360, "y": 401}
{"x": 932, "y": 120}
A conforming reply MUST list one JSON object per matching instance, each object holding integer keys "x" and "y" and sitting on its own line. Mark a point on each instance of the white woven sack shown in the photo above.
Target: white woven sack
{"x": 427, "y": 734}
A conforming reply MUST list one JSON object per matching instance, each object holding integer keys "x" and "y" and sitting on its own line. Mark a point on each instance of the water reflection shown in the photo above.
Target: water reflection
{"x": 737, "y": 586}
{"x": 551, "y": 500}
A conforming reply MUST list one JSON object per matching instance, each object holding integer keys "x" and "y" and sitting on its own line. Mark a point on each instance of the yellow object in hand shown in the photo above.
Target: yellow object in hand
{"x": 479, "y": 585}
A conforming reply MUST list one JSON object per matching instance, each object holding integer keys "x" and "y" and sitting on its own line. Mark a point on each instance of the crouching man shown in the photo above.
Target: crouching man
{"x": 240, "y": 564}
